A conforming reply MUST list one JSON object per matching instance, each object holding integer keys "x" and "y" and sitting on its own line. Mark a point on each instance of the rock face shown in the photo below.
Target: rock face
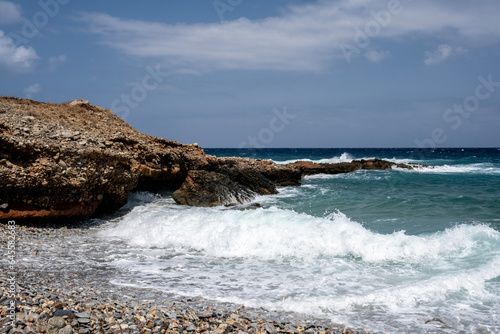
{"x": 75, "y": 160}
{"x": 234, "y": 180}
{"x": 202, "y": 188}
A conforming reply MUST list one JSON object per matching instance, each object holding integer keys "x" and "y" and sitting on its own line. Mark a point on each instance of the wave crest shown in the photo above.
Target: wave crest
{"x": 276, "y": 233}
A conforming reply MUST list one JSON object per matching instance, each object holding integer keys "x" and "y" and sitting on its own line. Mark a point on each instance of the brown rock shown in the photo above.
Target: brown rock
{"x": 53, "y": 174}
{"x": 310, "y": 168}
{"x": 44, "y": 177}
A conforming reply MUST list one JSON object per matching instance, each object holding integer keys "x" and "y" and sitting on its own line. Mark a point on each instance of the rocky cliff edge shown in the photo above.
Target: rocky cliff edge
{"x": 75, "y": 160}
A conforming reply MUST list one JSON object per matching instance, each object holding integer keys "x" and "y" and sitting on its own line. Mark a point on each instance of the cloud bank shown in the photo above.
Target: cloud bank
{"x": 303, "y": 38}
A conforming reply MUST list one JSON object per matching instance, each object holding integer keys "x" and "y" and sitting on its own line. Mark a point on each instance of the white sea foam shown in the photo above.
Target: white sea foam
{"x": 271, "y": 233}
{"x": 284, "y": 260}
{"x": 346, "y": 157}
{"x": 480, "y": 168}
{"x": 362, "y": 175}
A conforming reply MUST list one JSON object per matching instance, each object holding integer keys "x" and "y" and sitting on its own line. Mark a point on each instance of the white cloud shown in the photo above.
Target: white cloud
{"x": 9, "y": 12}
{"x": 377, "y": 56}
{"x": 15, "y": 58}
{"x": 303, "y": 38}
{"x": 55, "y": 62}
{"x": 442, "y": 53}
{"x": 32, "y": 89}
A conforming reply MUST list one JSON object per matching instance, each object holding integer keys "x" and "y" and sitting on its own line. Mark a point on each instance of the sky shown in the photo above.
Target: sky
{"x": 263, "y": 74}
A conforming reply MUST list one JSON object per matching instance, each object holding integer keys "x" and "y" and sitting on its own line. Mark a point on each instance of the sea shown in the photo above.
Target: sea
{"x": 390, "y": 251}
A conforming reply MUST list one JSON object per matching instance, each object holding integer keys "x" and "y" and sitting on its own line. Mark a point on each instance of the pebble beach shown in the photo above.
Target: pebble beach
{"x": 77, "y": 299}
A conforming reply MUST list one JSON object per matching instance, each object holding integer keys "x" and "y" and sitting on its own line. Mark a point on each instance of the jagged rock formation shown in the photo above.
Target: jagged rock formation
{"x": 74, "y": 160}
{"x": 234, "y": 180}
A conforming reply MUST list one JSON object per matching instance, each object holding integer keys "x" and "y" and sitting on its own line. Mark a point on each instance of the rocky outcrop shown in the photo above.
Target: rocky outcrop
{"x": 311, "y": 168}
{"x": 74, "y": 160}
{"x": 235, "y": 180}
{"x": 203, "y": 188}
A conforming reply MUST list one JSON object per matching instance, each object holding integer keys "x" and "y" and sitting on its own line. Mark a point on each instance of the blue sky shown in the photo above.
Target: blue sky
{"x": 256, "y": 73}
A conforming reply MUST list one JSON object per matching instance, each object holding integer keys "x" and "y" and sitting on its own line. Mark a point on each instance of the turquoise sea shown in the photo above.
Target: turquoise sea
{"x": 389, "y": 250}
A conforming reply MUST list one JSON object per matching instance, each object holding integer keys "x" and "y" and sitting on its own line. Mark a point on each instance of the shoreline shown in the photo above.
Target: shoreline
{"x": 78, "y": 300}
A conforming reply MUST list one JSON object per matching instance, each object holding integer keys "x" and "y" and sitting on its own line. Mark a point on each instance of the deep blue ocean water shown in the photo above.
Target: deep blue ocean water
{"x": 388, "y": 250}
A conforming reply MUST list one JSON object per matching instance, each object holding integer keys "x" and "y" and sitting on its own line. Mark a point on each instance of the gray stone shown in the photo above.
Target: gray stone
{"x": 56, "y": 322}
{"x": 79, "y": 102}
{"x": 90, "y": 304}
{"x": 66, "y": 330}
{"x": 67, "y": 134}
{"x": 205, "y": 314}
{"x": 84, "y": 320}
{"x": 191, "y": 329}
{"x": 61, "y": 313}
{"x": 82, "y": 315}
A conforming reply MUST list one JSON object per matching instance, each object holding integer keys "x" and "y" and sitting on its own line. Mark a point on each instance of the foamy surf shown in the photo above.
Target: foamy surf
{"x": 275, "y": 233}
{"x": 289, "y": 261}
{"x": 344, "y": 157}
{"x": 403, "y": 248}
{"x": 347, "y": 157}
{"x": 481, "y": 168}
